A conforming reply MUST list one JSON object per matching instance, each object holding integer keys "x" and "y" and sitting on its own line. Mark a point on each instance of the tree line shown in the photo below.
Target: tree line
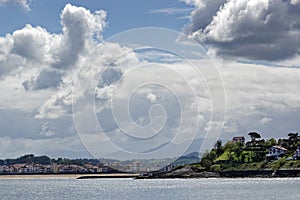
{"x": 45, "y": 160}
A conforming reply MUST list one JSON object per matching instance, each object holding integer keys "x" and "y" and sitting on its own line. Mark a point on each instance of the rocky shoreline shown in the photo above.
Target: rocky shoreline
{"x": 189, "y": 172}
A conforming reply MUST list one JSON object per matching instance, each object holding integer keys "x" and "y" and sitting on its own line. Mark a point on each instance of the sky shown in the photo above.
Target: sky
{"x": 143, "y": 79}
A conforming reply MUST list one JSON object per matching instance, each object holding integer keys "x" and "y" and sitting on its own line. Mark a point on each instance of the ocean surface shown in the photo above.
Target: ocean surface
{"x": 256, "y": 188}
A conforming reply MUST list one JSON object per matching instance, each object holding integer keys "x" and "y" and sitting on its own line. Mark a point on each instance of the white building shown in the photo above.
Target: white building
{"x": 276, "y": 151}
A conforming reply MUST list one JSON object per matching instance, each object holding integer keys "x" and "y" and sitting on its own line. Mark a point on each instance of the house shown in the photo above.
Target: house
{"x": 136, "y": 166}
{"x": 239, "y": 139}
{"x": 18, "y": 168}
{"x": 167, "y": 168}
{"x": 276, "y": 151}
{"x": 297, "y": 153}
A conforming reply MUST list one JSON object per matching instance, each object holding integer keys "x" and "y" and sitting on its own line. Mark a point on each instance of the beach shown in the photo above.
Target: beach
{"x": 64, "y": 176}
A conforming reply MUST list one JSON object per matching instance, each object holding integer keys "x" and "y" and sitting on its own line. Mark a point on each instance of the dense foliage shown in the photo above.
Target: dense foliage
{"x": 45, "y": 160}
{"x": 251, "y": 155}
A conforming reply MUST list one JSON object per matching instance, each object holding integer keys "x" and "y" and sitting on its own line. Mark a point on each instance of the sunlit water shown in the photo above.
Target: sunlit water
{"x": 25, "y": 189}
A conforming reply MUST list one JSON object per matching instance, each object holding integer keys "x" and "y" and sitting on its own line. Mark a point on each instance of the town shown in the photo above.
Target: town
{"x": 30, "y": 164}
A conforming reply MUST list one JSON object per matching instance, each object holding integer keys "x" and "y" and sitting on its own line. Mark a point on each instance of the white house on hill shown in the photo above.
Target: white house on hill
{"x": 276, "y": 151}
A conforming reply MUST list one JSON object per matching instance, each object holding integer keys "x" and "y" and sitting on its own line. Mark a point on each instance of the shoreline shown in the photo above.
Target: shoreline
{"x": 64, "y": 176}
{"x": 189, "y": 173}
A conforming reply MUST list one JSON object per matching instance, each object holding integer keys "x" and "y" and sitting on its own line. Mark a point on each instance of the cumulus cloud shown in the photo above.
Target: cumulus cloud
{"x": 23, "y": 3}
{"x": 87, "y": 81}
{"x": 264, "y": 98}
{"x": 37, "y": 71}
{"x": 251, "y": 29}
{"x": 36, "y": 77}
{"x": 31, "y": 43}
{"x": 58, "y": 105}
{"x": 46, "y": 79}
{"x": 53, "y": 54}
{"x": 80, "y": 29}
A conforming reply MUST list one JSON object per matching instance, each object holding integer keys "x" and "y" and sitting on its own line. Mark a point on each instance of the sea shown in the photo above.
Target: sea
{"x": 121, "y": 189}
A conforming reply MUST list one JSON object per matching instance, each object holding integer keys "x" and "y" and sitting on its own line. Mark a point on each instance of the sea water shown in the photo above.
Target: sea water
{"x": 66, "y": 188}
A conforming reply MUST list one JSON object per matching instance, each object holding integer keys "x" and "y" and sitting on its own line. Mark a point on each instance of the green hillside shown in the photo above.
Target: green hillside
{"x": 253, "y": 154}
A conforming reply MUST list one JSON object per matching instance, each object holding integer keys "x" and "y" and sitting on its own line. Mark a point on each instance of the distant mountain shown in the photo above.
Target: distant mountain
{"x": 187, "y": 159}
{"x": 160, "y": 152}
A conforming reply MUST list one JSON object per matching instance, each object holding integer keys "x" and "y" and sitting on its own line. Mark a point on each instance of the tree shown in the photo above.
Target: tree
{"x": 25, "y": 159}
{"x": 293, "y": 136}
{"x": 218, "y": 144}
{"x": 293, "y": 140}
{"x": 271, "y": 142}
{"x": 238, "y": 150}
{"x": 230, "y": 147}
{"x": 208, "y": 158}
{"x": 2, "y": 162}
{"x": 44, "y": 160}
{"x": 59, "y": 161}
{"x": 218, "y": 147}
{"x": 206, "y": 163}
{"x": 254, "y": 135}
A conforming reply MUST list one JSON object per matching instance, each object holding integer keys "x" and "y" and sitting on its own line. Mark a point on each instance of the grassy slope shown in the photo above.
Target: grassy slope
{"x": 222, "y": 163}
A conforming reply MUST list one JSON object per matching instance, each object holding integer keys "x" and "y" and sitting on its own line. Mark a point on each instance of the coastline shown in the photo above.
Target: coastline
{"x": 64, "y": 176}
{"x": 170, "y": 175}
{"x": 189, "y": 172}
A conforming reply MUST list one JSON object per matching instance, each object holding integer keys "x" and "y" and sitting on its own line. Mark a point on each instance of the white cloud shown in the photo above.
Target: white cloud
{"x": 13, "y": 94}
{"x": 171, "y": 11}
{"x": 23, "y": 3}
{"x": 212, "y": 126}
{"x": 36, "y": 80}
{"x": 151, "y": 97}
{"x": 171, "y": 88}
{"x": 53, "y": 54}
{"x": 46, "y": 130}
{"x": 32, "y": 43}
{"x": 40, "y": 83}
{"x": 295, "y": 2}
{"x": 197, "y": 3}
{"x": 251, "y": 29}
{"x": 256, "y": 91}
{"x": 46, "y": 79}
{"x": 80, "y": 29}
{"x": 87, "y": 79}
{"x": 253, "y": 91}
{"x": 58, "y": 105}
{"x": 70, "y": 147}
{"x": 265, "y": 120}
